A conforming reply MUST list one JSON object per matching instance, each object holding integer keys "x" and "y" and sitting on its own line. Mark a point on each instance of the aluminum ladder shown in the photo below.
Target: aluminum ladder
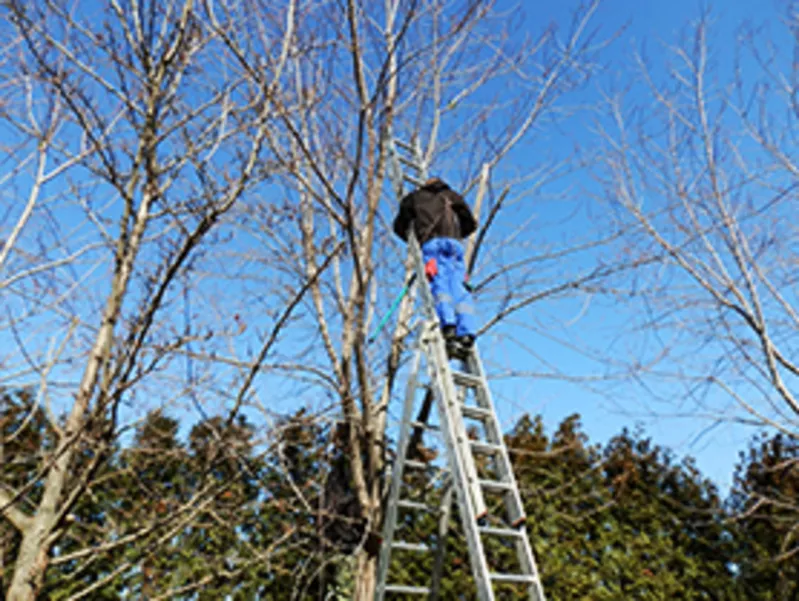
{"x": 450, "y": 389}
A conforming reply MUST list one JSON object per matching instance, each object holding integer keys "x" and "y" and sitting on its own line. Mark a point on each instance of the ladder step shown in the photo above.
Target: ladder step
{"x": 412, "y": 180}
{"x": 513, "y": 578}
{"x": 425, "y": 426}
{"x": 494, "y": 485}
{"x": 464, "y": 379}
{"x": 401, "y": 545}
{"x": 485, "y": 448}
{"x": 416, "y": 506}
{"x": 504, "y": 532}
{"x": 475, "y": 412}
{"x": 404, "y": 145}
{"x": 407, "y": 590}
{"x": 421, "y": 465}
{"x": 409, "y": 162}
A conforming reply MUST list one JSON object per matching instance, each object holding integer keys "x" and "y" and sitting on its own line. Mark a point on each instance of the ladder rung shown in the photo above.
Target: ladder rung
{"x": 421, "y": 465}
{"x": 485, "y": 448}
{"x": 465, "y": 379}
{"x": 407, "y": 590}
{"x": 413, "y": 180}
{"x": 415, "y": 505}
{"x": 401, "y": 545}
{"x": 404, "y": 145}
{"x": 513, "y": 578}
{"x": 409, "y": 162}
{"x": 475, "y": 412}
{"x": 424, "y": 425}
{"x": 494, "y": 485}
{"x": 506, "y": 532}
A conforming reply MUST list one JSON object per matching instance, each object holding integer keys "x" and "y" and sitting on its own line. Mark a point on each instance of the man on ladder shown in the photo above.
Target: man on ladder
{"x": 441, "y": 220}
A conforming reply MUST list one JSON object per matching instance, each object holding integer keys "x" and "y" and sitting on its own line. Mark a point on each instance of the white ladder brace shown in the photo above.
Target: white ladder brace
{"x": 449, "y": 388}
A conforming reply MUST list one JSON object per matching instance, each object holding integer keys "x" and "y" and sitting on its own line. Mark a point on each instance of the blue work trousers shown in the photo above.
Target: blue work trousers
{"x": 453, "y": 301}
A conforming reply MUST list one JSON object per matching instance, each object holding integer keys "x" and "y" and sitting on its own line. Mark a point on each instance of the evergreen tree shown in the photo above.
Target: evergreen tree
{"x": 623, "y": 522}
{"x": 211, "y": 518}
{"x": 664, "y": 530}
{"x": 764, "y": 507}
{"x": 564, "y": 497}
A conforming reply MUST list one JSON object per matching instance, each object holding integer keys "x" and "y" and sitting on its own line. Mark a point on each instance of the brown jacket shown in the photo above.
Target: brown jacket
{"x": 437, "y": 211}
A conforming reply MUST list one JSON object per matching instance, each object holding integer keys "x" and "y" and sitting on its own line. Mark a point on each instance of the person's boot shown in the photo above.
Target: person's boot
{"x": 450, "y": 340}
{"x": 465, "y": 344}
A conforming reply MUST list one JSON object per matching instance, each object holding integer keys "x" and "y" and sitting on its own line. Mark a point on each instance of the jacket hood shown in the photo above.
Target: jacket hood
{"x": 435, "y": 185}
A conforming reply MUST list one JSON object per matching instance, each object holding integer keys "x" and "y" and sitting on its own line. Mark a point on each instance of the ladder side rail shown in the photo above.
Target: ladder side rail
{"x": 524, "y": 552}
{"x": 397, "y": 470}
{"x": 464, "y": 448}
{"x": 494, "y": 435}
{"x": 464, "y": 444}
{"x": 441, "y": 542}
{"x": 523, "y": 548}
{"x": 427, "y": 295}
{"x": 396, "y": 170}
{"x": 446, "y": 390}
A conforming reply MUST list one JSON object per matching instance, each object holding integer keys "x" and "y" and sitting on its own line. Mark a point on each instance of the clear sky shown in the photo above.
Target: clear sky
{"x": 651, "y": 26}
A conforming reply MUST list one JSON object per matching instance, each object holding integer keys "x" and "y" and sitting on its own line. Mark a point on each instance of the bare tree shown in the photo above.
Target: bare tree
{"x": 436, "y": 72}
{"x": 701, "y": 171}
{"x": 131, "y": 141}
{"x": 705, "y": 181}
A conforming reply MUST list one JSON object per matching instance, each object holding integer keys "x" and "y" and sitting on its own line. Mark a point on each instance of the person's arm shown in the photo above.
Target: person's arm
{"x": 464, "y": 213}
{"x": 405, "y": 216}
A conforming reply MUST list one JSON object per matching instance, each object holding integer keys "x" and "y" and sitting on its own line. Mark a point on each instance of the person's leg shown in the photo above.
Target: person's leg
{"x": 464, "y": 306}
{"x": 439, "y": 283}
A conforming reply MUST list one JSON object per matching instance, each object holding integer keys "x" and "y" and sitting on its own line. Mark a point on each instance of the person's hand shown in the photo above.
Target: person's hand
{"x": 431, "y": 269}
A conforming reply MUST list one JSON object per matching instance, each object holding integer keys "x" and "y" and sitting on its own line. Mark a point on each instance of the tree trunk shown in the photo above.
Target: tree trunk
{"x": 32, "y": 558}
{"x": 366, "y": 578}
{"x": 30, "y": 566}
